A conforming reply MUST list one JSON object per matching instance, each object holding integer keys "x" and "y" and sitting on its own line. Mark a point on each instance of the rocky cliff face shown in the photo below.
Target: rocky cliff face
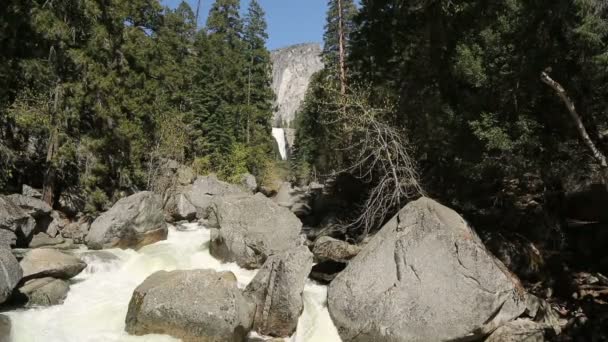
{"x": 293, "y": 67}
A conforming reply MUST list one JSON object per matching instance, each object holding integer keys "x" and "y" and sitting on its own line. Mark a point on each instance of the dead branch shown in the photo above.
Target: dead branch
{"x": 582, "y": 131}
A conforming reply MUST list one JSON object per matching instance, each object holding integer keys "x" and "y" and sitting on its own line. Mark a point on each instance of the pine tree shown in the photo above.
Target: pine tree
{"x": 338, "y": 29}
{"x": 259, "y": 97}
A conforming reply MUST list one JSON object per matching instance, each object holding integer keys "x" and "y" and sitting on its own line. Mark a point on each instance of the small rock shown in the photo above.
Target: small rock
{"x": 45, "y": 291}
{"x": 77, "y": 231}
{"x": 249, "y": 183}
{"x": 42, "y": 263}
{"x": 28, "y": 191}
{"x": 520, "y": 330}
{"x": 330, "y": 249}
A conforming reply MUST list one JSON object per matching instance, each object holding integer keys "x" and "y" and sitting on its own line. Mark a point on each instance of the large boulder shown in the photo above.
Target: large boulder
{"x": 197, "y": 305}
{"x": 44, "y": 240}
{"x": 16, "y": 226}
{"x": 426, "y": 276}
{"x": 277, "y": 291}
{"x": 132, "y": 222}
{"x": 45, "y": 291}
{"x": 32, "y": 206}
{"x": 11, "y": 273}
{"x": 42, "y": 263}
{"x": 250, "y": 229}
{"x": 201, "y": 193}
{"x": 329, "y": 249}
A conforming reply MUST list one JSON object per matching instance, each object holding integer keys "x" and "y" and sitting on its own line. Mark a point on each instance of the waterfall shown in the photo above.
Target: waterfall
{"x": 279, "y": 136}
{"x": 96, "y": 306}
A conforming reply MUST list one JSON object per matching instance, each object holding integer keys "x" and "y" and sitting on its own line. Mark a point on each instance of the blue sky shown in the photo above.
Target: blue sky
{"x": 289, "y": 21}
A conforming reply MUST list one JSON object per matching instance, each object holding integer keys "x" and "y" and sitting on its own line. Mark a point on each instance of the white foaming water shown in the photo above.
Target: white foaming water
{"x": 96, "y": 306}
{"x": 279, "y": 136}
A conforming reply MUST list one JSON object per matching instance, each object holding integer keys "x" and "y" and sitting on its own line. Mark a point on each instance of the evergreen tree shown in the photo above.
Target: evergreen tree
{"x": 338, "y": 29}
{"x": 259, "y": 96}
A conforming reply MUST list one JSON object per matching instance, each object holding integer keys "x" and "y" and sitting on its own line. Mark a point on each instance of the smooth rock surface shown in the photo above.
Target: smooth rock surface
{"x": 5, "y": 329}
{"x": 426, "y": 276}
{"x": 195, "y": 306}
{"x": 132, "y": 222}
{"x": 10, "y": 273}
{"x": 43, "y": 240}
{"x": 249, "y": 183}
{"x": 31, "y": 206}
{"x": 204, "y": 189}
{"x": 329, "y": 249}
{"x": 277, "y": 291}
{"x": 292, "y": 69}
{"x": 250, "y": 229}
{"x": 45, "y": 291}
{"x": 178, "y": 207}
{"x": 520, "y": 330}
{"x": 42, "y": 263}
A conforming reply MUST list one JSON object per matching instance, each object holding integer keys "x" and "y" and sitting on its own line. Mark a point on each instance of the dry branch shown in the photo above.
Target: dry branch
{"x": 582, "y": 131}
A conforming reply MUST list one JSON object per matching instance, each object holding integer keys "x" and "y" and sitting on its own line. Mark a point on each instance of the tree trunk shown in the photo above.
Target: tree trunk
{"x": 48, "y": 189}
{"x": 342, "y": 49}
{"x": 599, "y": 156}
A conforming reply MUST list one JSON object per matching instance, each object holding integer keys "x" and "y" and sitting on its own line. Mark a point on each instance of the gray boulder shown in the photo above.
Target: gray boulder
{"x": 77, "y": 231}
{"x": 16, "y": 226}
{"x": 28, "y": 191}
{"x": 11, "y": 273}
{"x": 178, "y": 208}
{"x": 249, "y": 183}
{"x": 133, "y": 222}
{"x": 42, "y": 263}
{"x": 56, "y": 225}
{"x": 44, "y": 240}
{"x": 330, "y": 249}
{"x": 521, "y": 330}
{"x": 201, "y": 193}
{"x": 284, "y": 195}
{"x": 31, "y": 206}
{"x": 45, "y": 291}
{"x": 197, "y": 305}
{"x": 5, "y": 329}
{"x": 277, "y": 291}
{"x": 250, "y": 229}
{"x": 426, "y": 276}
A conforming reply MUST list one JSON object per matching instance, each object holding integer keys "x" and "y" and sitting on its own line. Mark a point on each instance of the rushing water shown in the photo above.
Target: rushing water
{"x": 279, "y": 136}
{"x": 96, "y": 306}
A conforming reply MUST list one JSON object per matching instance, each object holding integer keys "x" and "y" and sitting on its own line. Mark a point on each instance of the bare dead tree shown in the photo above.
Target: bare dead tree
{"x": 599, "y": 156}
{"x": 342, "y": 49}
{"x": 378, "y": 154}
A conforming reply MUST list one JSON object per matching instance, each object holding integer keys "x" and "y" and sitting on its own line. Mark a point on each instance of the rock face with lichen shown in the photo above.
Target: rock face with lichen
{"x": 292, "y": 70}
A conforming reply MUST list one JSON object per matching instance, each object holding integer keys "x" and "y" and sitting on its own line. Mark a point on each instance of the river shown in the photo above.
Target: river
{"x": 96, "y": 306}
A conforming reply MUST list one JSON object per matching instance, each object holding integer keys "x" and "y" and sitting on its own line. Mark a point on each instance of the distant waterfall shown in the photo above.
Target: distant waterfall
{"x": 279, "y": 136}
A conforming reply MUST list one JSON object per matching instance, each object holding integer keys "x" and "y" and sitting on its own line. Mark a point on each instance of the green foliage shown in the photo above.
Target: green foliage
{"x": 96, "y": 95}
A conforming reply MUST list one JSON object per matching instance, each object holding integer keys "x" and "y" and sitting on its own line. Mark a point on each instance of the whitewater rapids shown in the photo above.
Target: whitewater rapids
{"x": 279, "y": 135}
{"x": 96, "y": 306}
